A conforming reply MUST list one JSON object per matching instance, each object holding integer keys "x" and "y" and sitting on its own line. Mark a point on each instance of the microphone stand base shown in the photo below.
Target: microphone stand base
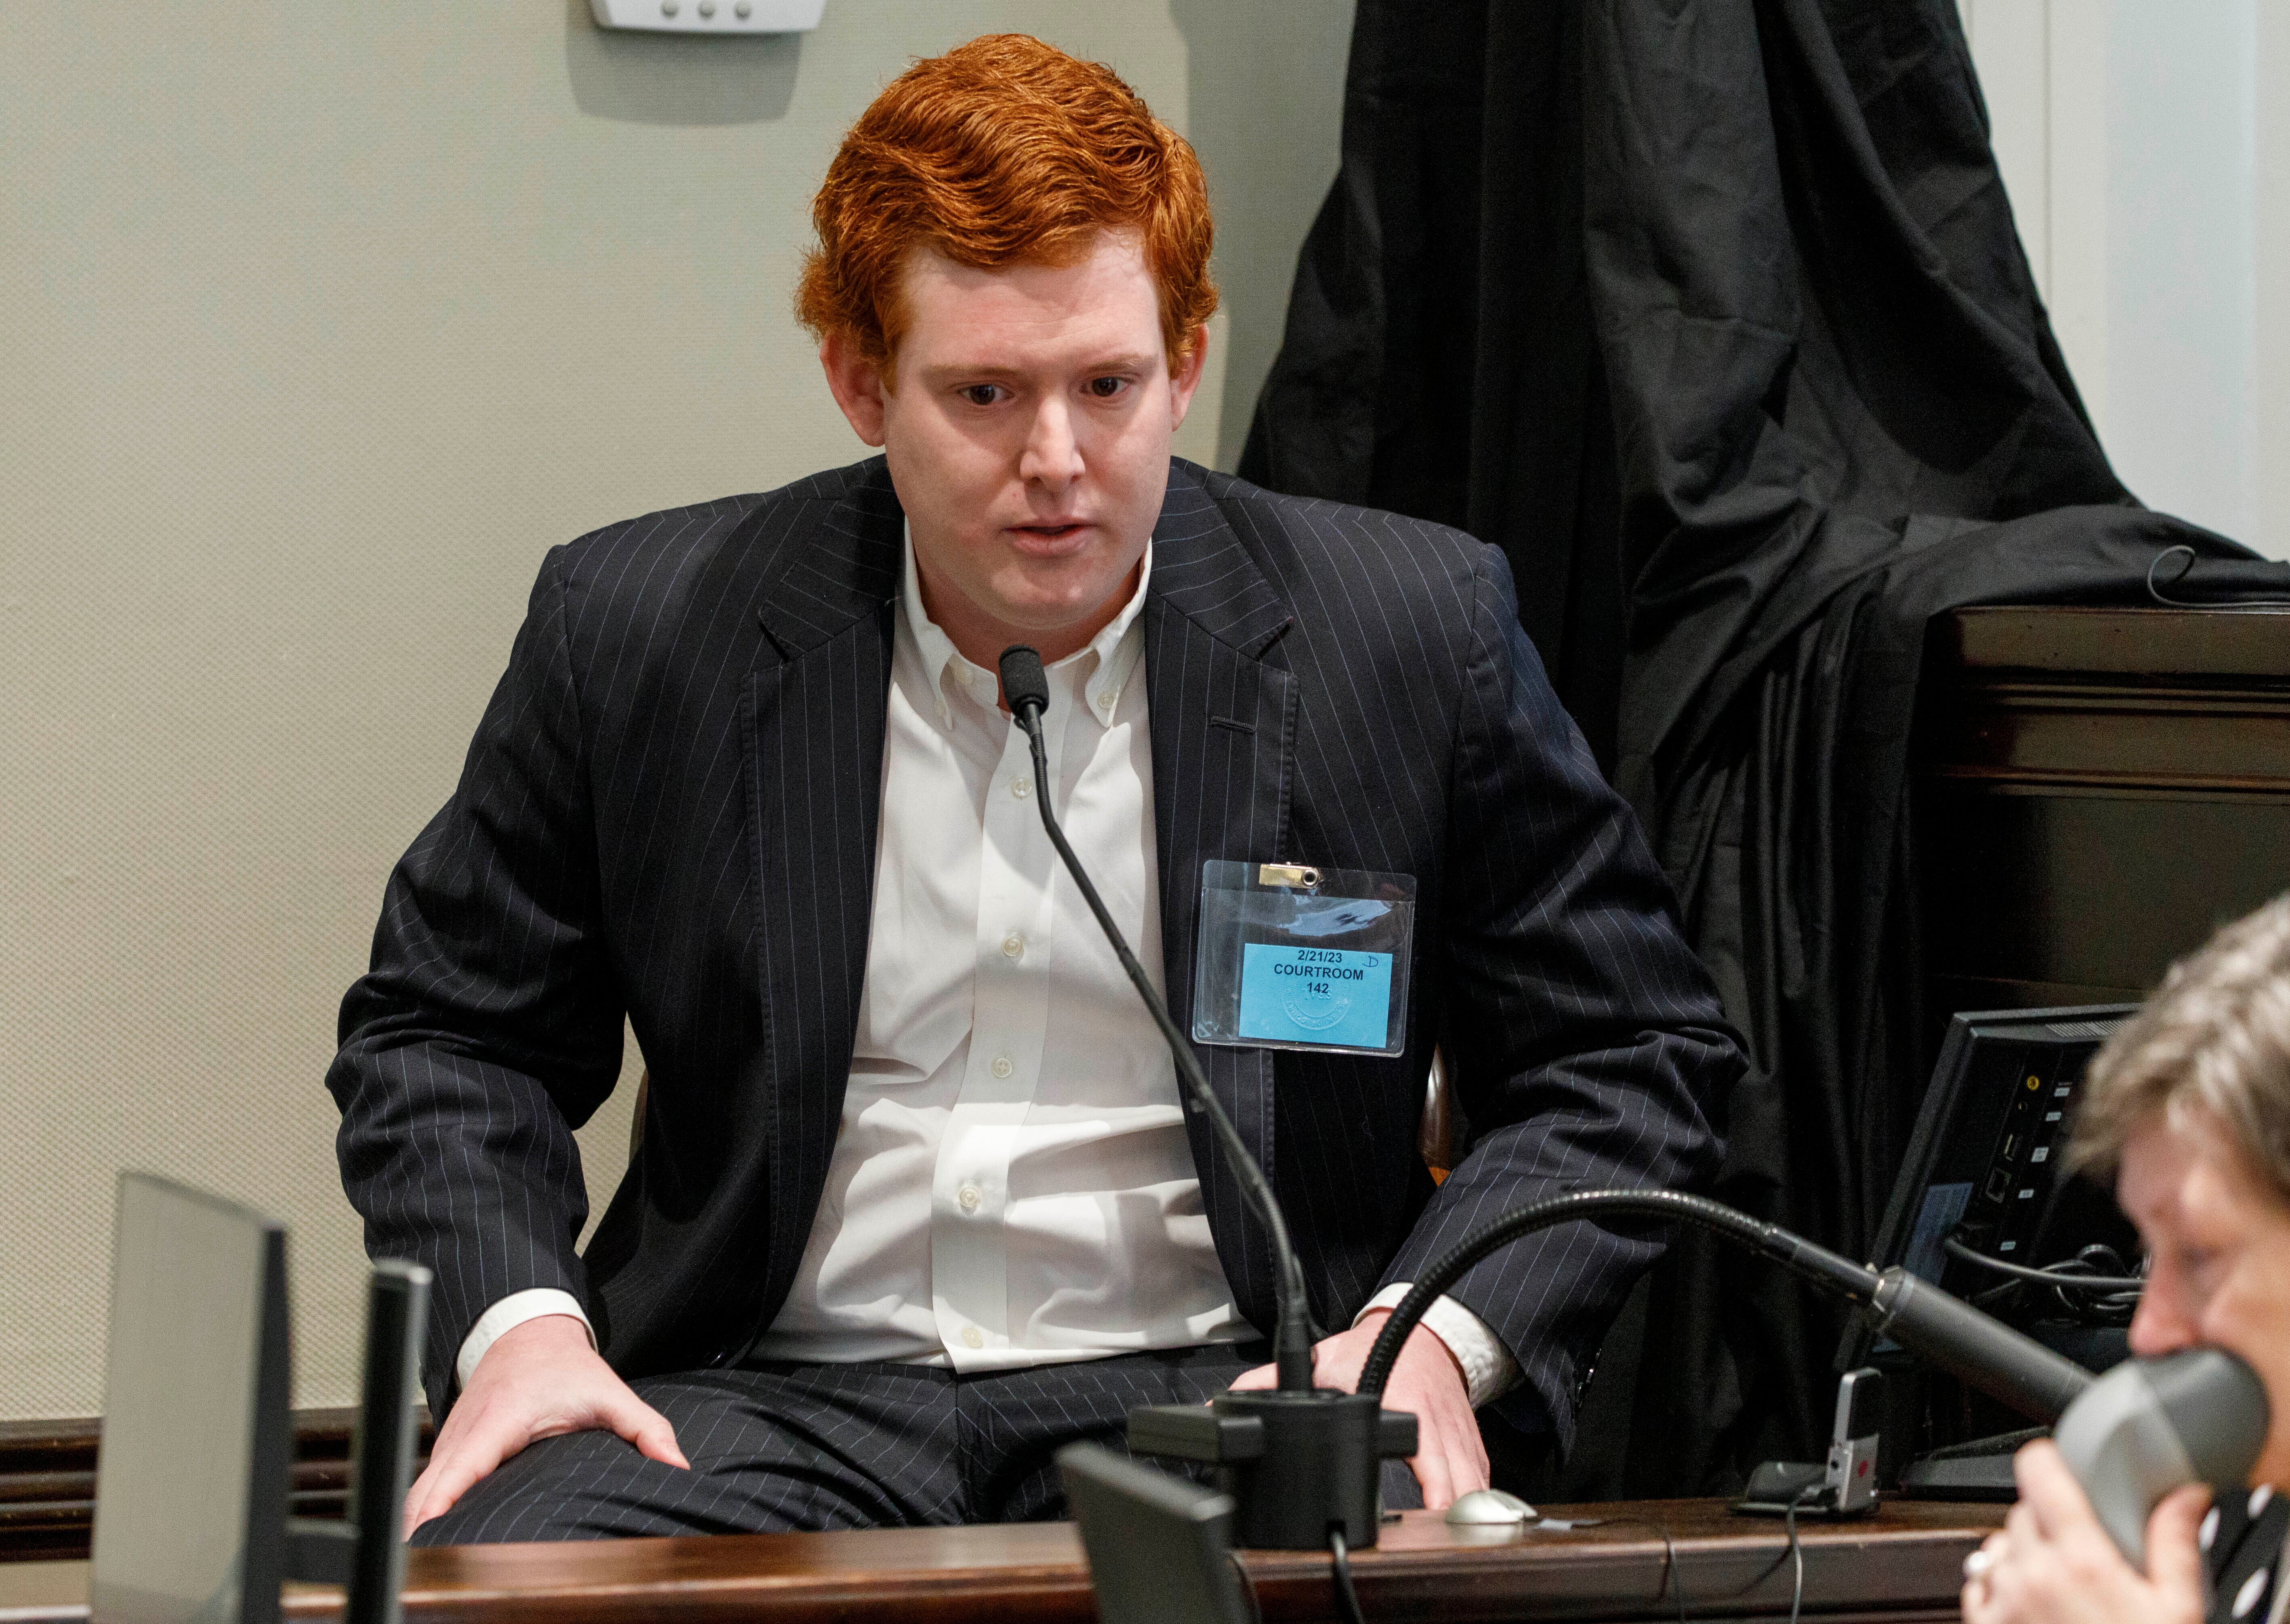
{"x": 1297, "y": 1464}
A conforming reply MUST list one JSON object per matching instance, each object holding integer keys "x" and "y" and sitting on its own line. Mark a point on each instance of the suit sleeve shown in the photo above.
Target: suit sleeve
{"x": 1587, "y": 1037}
{"x": 489, "y": 1024}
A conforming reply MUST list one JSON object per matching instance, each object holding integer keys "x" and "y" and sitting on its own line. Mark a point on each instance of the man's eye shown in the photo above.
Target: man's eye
{"x": 1106, "y": 388}
{"x": 981, "y": 394}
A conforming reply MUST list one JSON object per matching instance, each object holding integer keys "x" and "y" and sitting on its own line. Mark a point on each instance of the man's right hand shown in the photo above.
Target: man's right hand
{"x": 538, "y": 1379}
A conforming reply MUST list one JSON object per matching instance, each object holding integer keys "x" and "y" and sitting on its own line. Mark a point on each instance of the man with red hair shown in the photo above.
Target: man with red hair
{"x": 915, "y": 1201}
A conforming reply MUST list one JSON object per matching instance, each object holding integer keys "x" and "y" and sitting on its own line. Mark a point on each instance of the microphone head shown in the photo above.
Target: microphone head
{"x": 1025, "y": 685}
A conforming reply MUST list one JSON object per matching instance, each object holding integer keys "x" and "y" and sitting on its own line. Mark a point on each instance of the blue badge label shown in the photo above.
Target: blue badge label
{"x": 1315, "y": 995}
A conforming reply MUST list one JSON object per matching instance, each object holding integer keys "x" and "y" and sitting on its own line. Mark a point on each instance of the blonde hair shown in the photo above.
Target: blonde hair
{"x": 2213, "y": 1040}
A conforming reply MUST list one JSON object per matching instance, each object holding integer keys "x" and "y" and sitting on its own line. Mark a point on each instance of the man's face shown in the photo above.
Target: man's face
{"x": 2218, "y": 1241}
{"x": 1027, "y": 437}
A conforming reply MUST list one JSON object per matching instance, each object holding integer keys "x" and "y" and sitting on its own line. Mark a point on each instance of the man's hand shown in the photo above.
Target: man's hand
{"x": 537, "y": 1380}
{"x": 2054, "y": 1564}
{"x": 1450, "y": 1459}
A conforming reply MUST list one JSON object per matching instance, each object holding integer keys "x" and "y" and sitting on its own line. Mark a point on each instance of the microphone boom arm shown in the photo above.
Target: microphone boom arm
{"x": 1984, "y": 1353}
{"x": 1292, "y": 1338}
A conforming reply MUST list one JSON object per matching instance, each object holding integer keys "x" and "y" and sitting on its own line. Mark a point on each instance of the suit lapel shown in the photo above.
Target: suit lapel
{"x": 813, "y": 724}
{"x": 1224, "y": 734}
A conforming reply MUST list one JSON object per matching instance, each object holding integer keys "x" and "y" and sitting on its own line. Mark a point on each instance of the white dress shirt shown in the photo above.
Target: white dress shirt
{"x": 1011, "y": 1183}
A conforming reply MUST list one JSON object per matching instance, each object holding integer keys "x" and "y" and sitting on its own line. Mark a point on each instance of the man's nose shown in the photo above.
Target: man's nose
{"x": 1053, "y": 455}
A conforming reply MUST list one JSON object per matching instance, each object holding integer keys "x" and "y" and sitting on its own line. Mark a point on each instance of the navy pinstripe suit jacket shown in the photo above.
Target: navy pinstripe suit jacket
{"x": 670, "y": 809}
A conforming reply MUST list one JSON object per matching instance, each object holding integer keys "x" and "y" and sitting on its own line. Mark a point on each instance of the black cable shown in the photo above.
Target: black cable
{"x": 2107, "y": 1308}
{"x": 1291, "y": 1341}
{"x": 1673, "y": 1581}
{"x": 1340, "y": 1560}
{"x": 2049, "y": 1273}
{"x": 2160, "y": 597}
{"x": 1797, "y": 1552}
{"x": 2089, "y": 1298}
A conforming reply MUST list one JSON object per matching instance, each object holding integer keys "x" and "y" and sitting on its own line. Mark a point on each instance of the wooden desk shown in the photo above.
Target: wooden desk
{"x": 1901, "y": 1566}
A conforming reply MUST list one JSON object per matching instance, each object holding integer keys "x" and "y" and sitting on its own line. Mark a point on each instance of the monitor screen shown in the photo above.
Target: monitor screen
{"x": 197, "y": 1333}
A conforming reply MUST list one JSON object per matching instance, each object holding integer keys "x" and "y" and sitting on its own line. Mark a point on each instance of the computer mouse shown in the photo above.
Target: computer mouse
{"x": 1483, "y": 1507}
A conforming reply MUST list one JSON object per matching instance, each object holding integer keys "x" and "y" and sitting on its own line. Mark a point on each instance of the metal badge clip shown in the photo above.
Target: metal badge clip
{"x": 1288, "y": 874}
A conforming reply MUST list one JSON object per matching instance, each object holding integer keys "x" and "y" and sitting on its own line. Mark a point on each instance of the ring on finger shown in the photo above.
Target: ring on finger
{"x": 1976, "y": 1566}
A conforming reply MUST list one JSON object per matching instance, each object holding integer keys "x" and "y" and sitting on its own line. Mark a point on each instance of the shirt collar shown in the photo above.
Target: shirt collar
{"x": 1113, "y": 652}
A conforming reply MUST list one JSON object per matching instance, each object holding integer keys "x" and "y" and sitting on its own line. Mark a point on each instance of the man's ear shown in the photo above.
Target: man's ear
{"x": 857, "y": 384}
{"x": 1187, "y": 378}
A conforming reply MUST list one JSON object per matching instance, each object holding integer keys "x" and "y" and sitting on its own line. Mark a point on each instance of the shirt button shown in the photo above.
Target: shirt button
{"x": 1021, "y": 786}
{"x": 1105, "y": 701}
{"x": 1002, "y": 1066}
{"x": 967, "y": 1196}
{"x": 970, "y": 1338}
{"x": 1013, "y": 945}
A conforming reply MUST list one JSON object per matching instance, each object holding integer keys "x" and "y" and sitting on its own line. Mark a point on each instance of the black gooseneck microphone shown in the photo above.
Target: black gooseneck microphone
{"x": 1984, "y": 1352}
{"x": 1026, "y": 690}
{"x": 1300, "y": 1461}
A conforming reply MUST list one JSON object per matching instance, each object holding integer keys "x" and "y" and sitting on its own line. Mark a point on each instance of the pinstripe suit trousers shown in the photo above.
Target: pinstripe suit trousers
{"x": 783, "y": 1448}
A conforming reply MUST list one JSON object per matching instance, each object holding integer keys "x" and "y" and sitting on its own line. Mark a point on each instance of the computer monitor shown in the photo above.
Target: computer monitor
{"x": 1981, "y": 1184}
{"x": 191, "y": 1480}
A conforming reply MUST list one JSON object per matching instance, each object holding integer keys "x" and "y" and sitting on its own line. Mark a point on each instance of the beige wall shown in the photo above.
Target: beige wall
{"x": 318, "y": 325}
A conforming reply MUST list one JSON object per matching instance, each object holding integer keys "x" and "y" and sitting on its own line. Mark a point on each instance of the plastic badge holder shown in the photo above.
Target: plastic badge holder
{"x": 1296, "y": 957}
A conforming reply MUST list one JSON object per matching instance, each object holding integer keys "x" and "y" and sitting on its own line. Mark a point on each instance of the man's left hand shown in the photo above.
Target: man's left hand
{"x": 1450, "y": 1459}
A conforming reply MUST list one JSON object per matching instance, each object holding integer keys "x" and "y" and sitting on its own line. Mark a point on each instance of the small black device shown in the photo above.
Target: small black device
{"x": 1159, "y": 1547}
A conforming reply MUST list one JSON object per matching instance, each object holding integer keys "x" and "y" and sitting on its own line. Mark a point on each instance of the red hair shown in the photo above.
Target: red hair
{"x": 1003, "y": 151}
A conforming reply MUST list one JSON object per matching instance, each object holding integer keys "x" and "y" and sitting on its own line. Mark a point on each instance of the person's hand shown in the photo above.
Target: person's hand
{"x": 2053, "y": 1563}
{"x": 1449, "y": 1460}
{"x": 539, "y": 1379}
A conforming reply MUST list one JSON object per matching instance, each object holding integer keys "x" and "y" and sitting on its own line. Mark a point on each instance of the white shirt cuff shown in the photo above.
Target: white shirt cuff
{"x": 1488, "y": 1369}
{"x": 510, "y": 1312}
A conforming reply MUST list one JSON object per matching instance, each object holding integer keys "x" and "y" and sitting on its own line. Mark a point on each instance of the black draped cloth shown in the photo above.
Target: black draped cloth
{"x": 1711, "y": 314}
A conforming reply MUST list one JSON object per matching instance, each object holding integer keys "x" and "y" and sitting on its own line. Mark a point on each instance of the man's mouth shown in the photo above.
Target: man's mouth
{"x": 1050, "y": 533}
